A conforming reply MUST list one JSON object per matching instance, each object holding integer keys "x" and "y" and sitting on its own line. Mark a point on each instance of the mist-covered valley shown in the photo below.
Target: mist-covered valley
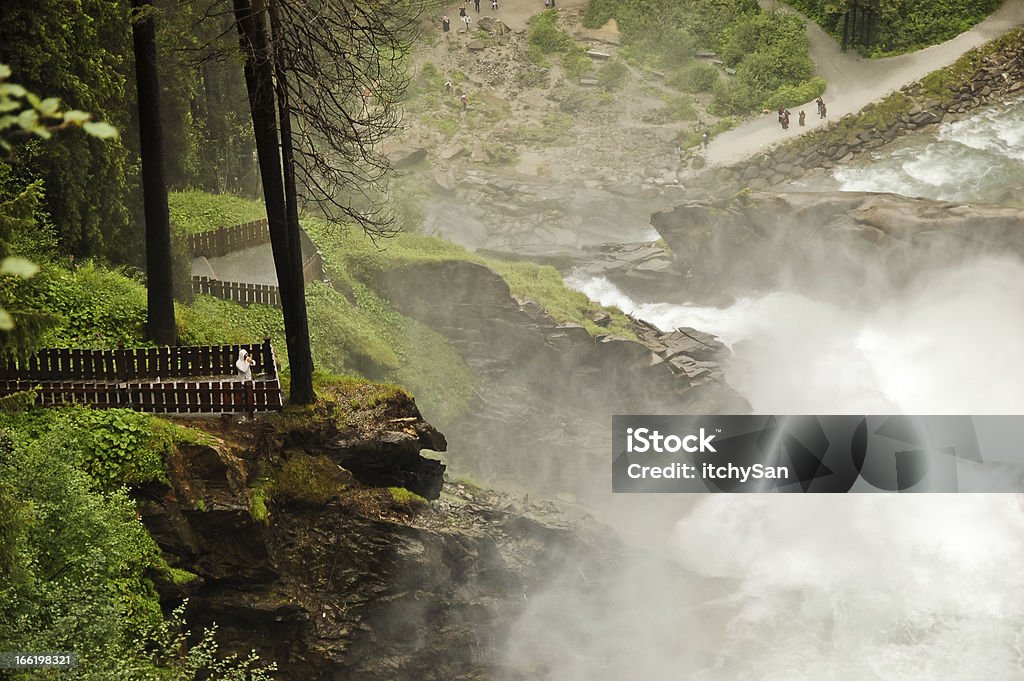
{"x": 357, "y": 431}
{"x": 784, "y": 588}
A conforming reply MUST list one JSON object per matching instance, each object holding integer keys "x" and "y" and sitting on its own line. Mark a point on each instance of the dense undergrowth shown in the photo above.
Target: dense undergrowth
{"x": 903, "y": 25}
{"x": 79, "y": 568}
{"x": 769, "y": 51}
{"x": 80, "y": 571}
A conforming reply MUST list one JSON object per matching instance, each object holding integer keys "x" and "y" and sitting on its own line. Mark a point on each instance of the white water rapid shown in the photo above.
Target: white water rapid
{"x": 846, "y": 587}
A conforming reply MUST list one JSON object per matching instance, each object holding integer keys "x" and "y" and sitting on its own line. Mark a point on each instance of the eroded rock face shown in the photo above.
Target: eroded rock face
{"x": 761, "y": 240}
{"x": 355, "y": 584}
{"x": 547, "y": 390}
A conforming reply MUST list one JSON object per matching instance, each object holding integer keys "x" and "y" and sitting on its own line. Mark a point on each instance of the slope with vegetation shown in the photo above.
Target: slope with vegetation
{"x": 902, "y": 25}
{"x": 768, "y": 51}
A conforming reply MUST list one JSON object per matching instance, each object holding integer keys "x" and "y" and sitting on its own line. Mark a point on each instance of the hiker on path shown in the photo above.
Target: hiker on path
{"x": 803, "y": 118}
{"x": 465, "y": 101}
{"x": 462, "y": 12}
{"x": 706, "y": 140}
{"x": 822, "y": 111}
{"x": 476, "y": 6}
{"x": 467, "y": 20}
{"x": 785, "y": 119}
{"x": 446, "y": 24}
{"x": 494, "y": 5}
{"x": 448, "y": 87}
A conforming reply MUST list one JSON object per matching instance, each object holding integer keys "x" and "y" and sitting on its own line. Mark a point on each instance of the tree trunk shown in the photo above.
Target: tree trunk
{"x": 160, "y": 327}
{"x": 259, "y": 80}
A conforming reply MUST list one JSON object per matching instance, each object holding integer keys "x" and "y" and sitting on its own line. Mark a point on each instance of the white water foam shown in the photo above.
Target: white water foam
{"x": 978, "y": 159}
{"x": 849, "y": 587}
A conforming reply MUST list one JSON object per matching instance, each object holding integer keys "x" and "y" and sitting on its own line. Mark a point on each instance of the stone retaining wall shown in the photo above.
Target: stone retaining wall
{"x": 997, "y": 77}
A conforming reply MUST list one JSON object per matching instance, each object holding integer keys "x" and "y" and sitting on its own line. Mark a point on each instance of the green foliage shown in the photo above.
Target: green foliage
{"x": 114, "y": 447}
{"x": 181, "y": 577}
{"x": 545, "y": 37}
{"x": 695, "y": 77}
{"x": 904, "y": 25}
{"x": 74, "y": 51}
{"x": 196, "y": 211}
{"x": 795, "y": 95}
{"x": 545, "y": 34}
{"x": 179, "y": 659}
{"x": 25, "y": 114}
{"x": 92, "y": 306}
{"x": 126, "y": 447}
{"x": 770, "y": 52}
{"x": 613, "y": 75}
{"x": 668, "y": 33}
{"x": 80, "y": 556}
{"x": 407, "y": 501}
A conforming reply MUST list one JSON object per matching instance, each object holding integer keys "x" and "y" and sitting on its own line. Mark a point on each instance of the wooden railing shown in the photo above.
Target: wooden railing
{"x": 173, "y": 397}
{"x": 125, "y": 378}
{"x": 223, "y": 240}
{"x": 243, "y": 294}
{"x": 125, "y": 364}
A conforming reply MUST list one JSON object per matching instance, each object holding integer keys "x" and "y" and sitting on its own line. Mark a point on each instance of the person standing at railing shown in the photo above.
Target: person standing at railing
{"x": 244, "y": 365}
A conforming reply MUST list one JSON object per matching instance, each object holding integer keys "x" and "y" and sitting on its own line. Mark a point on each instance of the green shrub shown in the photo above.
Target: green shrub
{"x": 795, "y": 95}
{"x": 904, "y": 25}
{"x": 695, "y": 77}
{"x": 597, "y": 12}
{"x": 770, "y": 51}
{"x": 79, "y": 555}
{"x": 613, "y": 75}
{"x": 576, "y": 64}
{"x": 545, "y": 35}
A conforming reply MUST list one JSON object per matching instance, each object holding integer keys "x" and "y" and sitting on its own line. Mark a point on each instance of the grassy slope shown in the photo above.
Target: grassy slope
{"x": 356, "y": 333}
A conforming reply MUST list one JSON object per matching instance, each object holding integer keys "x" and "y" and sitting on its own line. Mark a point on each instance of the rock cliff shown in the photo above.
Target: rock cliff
{"x": 759, "y": 240}
{"x": 333, "y": 578}
{"x": 547, "y": 390}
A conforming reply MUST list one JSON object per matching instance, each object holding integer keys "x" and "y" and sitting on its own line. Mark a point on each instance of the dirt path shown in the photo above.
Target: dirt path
{"x": 514, "y": 13}
{"x": 854, "y": 82}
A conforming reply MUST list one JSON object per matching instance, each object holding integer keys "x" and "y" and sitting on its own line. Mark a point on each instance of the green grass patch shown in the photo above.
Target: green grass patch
{"x": 406, "y": 501}
{"x": 308, "y": 479}
{"x": 196, "y": 211}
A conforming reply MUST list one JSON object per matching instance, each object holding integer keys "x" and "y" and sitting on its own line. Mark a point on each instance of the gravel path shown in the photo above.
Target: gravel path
{"x": 854, "y": 82}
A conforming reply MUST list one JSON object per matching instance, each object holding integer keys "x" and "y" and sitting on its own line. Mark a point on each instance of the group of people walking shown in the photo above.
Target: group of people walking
{"x": 784, "y": 114}
{"x": 467, "y": 21}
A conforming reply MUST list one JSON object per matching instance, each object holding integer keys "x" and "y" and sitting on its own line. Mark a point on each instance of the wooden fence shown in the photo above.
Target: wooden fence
{"x": 125, "y": 364}
{"x": 125, "y": 378}
{"x": 223, "y": 240}
{"x": 236, "y": 291}
{"x": 172, "y": 397}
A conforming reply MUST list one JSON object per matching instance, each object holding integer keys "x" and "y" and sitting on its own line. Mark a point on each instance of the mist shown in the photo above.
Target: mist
{"x": 812, "y": 588}
{"x": 794, "y": 588}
